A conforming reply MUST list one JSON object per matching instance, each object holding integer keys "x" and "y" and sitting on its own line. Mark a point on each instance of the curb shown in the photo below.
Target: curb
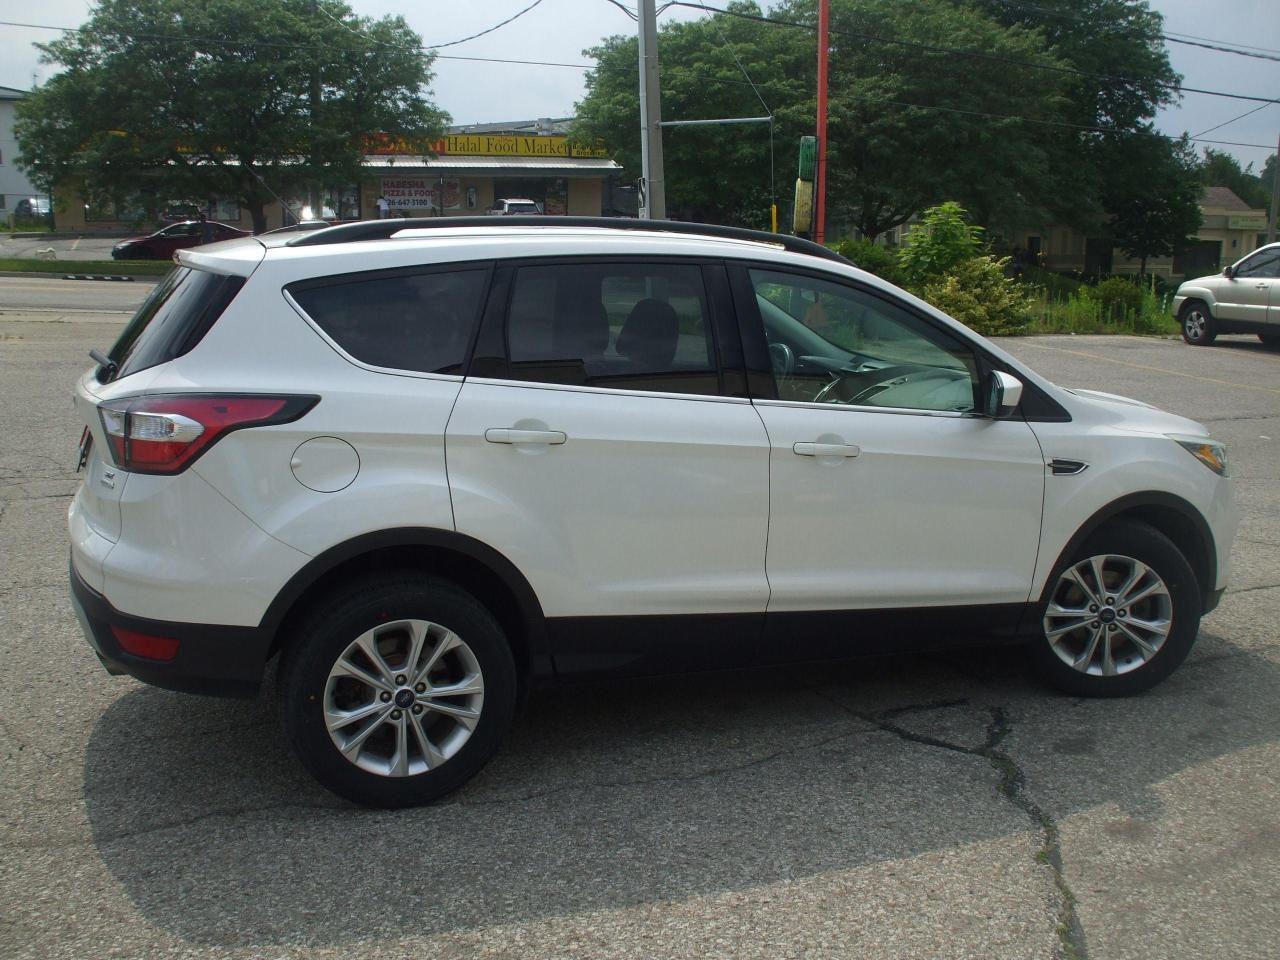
{"x": 55, "y": 275}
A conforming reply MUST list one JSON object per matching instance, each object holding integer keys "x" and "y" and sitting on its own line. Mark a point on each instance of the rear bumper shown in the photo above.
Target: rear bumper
{"x": 215, "y": 660}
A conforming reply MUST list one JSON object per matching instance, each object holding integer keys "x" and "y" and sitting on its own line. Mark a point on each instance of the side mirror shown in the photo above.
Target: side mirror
{"x": 1229, "y": 272}
{"x": 1004, "y": 393}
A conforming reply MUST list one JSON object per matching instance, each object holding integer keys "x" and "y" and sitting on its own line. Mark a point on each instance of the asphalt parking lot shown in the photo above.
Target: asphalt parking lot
{"x": 938, "y": 806}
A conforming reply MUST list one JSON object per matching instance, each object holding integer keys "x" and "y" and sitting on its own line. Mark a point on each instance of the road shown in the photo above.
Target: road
{"x": 110, "y": 299}
{"x": 936, "y": 806}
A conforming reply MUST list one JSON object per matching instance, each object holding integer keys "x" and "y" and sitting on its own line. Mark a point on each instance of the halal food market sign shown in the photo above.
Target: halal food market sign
{"x": 480, "y": 145}
{"x": 484, "y": 145}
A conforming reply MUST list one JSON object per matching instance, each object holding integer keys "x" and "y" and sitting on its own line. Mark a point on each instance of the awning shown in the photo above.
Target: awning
{"x": 497, "y": 166}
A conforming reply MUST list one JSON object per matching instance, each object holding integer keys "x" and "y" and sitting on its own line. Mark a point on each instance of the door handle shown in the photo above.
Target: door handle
{"x": 807, "y": 449}
{"x": 511, "y": 435}
{"x": 1264, "y": 286}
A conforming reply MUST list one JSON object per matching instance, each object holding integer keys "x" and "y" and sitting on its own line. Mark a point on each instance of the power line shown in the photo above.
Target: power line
{"x": 496, "y": 26}
{"x": 1211, "y": 46}
{"x": 1192, "y": 36}
{"x": 1190, "y": 39}
{"x": 972, "y": 54}
{"x": 1232, "y": 120}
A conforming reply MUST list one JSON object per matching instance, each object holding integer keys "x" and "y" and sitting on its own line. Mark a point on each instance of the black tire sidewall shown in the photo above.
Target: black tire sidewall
{"x": 323, "y": 635}
{"x": 1210, "y": 327}
{"x": 1147, "y": 544}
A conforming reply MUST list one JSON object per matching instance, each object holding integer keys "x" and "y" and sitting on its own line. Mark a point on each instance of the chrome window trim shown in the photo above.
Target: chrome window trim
{"x": 608, "y": 391}
{"x": 895, "y": 411}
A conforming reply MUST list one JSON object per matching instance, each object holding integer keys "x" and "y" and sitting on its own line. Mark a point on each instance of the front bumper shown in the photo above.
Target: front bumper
{"x": 211, "y": 659}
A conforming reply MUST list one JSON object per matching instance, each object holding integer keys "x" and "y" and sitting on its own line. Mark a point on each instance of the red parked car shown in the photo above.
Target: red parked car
{"x": 162, "y": 244}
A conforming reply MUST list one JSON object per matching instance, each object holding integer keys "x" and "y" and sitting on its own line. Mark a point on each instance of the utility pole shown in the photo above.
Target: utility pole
{"x": 1275, "y": 196}
{"x": 653, "y": 191}
{"x": 820, "y": 180}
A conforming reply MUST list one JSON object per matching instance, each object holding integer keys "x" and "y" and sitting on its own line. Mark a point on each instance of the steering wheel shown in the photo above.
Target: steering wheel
{"x": 782, "y": 358}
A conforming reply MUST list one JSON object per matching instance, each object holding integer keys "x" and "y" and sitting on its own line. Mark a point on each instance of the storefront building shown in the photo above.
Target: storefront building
{"x": 461, "y": 174}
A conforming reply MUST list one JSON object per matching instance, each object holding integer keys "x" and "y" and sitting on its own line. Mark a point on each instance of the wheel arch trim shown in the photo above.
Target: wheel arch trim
{"x": 1204, "y": 563}
{"x": 444, "y": 541}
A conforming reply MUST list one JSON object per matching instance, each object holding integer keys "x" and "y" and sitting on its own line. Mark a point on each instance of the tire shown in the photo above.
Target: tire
{"x": 1132, "y": 669}
{"x": 1197, "y": 324}
{"x": 1270, "y": 339}
{"x": 390, "y": 763}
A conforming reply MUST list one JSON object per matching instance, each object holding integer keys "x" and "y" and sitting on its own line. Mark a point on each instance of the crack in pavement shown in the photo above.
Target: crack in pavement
{"x": 1013, "y": 784}
{"x": 1265, "y": 586}
{"x": 348, "y": 810}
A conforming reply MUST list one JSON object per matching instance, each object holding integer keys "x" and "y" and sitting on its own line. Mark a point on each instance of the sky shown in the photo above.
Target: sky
{"x": 559, "y": 30}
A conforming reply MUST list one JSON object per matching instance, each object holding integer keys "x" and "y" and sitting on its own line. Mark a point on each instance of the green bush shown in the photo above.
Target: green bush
{"x": 1119, "y": 297}
{"x": 1059, "y": 286}
{"x": 938, "y": 244}
{"x": 871, "y": 257}
{"x": 978, "y": 294}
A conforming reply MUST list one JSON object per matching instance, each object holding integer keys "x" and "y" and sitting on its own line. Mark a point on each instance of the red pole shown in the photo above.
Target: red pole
{"x": 820, "y": 180}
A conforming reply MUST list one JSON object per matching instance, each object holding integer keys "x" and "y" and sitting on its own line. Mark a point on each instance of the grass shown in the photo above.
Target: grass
{"x": 1081, "y": 312}
{"x": 128, "y": 268}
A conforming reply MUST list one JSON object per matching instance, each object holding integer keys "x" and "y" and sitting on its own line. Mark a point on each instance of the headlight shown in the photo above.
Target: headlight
{"x": 1209, "y": 452}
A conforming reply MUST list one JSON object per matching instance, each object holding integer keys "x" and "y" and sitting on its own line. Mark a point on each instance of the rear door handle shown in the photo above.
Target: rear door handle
{"x": 510, "y": 435}
{"x": 808, "y": 449}
{"x": 1264, "y": 286}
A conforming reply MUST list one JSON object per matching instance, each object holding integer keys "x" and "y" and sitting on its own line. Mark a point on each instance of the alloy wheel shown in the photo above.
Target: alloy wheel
{"x": 1195, "y": 325}
{"x": 1108, "y": 615}
{"x": 403, "y": 698}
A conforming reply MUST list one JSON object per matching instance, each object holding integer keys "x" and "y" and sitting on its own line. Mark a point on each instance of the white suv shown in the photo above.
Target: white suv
{"x": 429, "y": 464}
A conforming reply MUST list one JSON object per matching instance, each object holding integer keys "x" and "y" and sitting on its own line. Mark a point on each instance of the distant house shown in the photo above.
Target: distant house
{"x": 14, "y": 185}
{"x": 1230, "y": 229}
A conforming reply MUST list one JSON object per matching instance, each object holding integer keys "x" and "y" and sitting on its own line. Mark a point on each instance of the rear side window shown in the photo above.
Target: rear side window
{"x": 173, "y": 319}
{"x": 419, "y": 321}
{"x": 630, "y": 326}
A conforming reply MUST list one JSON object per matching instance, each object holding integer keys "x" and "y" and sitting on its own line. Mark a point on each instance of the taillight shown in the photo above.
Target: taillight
{"x": 165, "y": 433}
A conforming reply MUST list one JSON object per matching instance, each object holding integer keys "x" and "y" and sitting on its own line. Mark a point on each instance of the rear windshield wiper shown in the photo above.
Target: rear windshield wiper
{"x": 105, "y": 363}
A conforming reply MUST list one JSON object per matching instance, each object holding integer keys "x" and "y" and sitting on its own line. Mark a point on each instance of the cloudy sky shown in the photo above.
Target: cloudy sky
{"x": 559, "y": 30}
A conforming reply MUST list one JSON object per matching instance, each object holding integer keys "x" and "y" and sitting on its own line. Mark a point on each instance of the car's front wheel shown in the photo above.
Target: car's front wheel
{"x": 1120, "y": 614}
{"x": 1198, "y": 326}
{"x": 397, "y": 690}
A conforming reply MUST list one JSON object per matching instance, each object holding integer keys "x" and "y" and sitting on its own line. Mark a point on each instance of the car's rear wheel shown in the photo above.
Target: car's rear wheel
{"x": 397, "y": 690}
{"x": 1198, "y": 326}
{"x": 1120, "y": 614}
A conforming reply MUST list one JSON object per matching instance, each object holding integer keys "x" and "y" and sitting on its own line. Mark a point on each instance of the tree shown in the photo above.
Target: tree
{"x": 938, "y": 243}
{"x": 912, "y": 124}
{"x": 1221, "y": 169}
{"x": 241, "y": 98}
{"x": 903, "y": 126}
{"x": 1154, "y": 196}
{"x": 1122, "y": 77}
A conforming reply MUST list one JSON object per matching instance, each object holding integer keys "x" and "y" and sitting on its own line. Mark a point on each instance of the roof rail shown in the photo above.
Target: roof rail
{"x": 384, "y": 229}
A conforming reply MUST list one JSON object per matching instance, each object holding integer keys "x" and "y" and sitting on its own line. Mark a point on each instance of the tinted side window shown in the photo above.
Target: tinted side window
{"x": 629, "y": 326}
{"x": 1261, "y": 265}
{"x": 829, "y": 343}
{"x": 407, "y": 321}
{"x": 173, "y": 319}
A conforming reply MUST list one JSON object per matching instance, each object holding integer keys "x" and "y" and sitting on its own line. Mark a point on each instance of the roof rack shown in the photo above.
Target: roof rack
{"x": 384, "y": 229}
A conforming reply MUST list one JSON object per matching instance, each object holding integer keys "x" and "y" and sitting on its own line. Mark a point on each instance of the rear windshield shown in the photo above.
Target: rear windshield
{"x": 173, "y": 319}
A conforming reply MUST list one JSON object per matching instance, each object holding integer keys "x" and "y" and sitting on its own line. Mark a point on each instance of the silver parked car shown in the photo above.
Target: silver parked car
{"x": 1244, "y": 298}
